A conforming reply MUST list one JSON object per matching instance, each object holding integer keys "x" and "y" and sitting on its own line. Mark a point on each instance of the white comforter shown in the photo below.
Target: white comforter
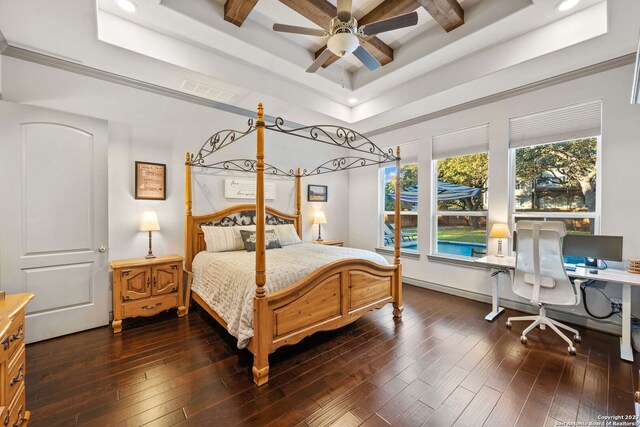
{"x": 226, "y": 280}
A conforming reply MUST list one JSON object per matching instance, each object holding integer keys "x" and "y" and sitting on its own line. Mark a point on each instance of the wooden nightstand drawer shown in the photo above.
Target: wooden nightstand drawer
{"x": 15, "y": 374}
{"x": 329, "y": 242}
{"x": 146, "y": 286}
{"x": 149, "y": 306}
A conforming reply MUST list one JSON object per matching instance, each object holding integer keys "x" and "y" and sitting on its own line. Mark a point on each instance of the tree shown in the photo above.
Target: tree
{"x": 409, "y": 179}
{"x": 472, "y": 171}
{"x": 570, "y": 163}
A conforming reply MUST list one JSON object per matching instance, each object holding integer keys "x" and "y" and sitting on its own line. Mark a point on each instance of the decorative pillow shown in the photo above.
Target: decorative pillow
{"x": 270, "y": 240}
{"x": 287, "y": 234}
{"x": 224, "y": 239}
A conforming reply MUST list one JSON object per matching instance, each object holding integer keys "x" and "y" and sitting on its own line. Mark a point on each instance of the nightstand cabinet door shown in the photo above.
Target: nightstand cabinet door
{"x": 166, "y": 278}
{"x": 136, "y": 283}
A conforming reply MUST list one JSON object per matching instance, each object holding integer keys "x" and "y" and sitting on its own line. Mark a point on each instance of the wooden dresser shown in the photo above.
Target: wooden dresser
{"x": 146, "y": 286}
{"x": 12, "y": 360}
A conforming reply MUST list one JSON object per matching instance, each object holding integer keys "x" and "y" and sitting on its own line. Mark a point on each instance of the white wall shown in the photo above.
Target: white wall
{"x": 146, "y": 142}
{"x": 148, "y": 127}
{"x": 620, "y": 151}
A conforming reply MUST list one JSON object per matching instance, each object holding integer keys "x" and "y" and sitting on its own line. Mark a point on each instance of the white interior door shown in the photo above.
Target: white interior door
{"x": 53, "y": 218}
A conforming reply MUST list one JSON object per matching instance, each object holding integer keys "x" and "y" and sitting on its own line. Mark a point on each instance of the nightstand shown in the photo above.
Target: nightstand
{"x": 146, "y": 286}
{"x": 329, "y": 242}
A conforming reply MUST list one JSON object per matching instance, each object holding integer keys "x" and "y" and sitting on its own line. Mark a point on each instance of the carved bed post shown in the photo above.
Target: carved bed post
{"x": 397, "y": 298}
{"x": 299, "y": 203}
{"x": 188, "y": 245}
{"x": 260, "y": 304}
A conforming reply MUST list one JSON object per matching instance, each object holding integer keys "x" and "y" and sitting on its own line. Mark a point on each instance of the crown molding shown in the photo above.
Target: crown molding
{"x": 84, "y": 70}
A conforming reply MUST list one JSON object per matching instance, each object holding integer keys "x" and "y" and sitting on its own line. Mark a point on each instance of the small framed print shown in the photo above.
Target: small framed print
{"x": 151, "y": 181}
{"x": 317, "y": 193}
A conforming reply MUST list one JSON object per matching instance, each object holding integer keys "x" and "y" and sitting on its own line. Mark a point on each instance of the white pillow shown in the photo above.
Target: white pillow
{"x": 224, "y": 239}
{"x": 286, "y": 234}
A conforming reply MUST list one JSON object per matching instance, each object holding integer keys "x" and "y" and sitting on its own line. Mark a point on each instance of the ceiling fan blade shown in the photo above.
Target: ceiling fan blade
{"x": 344, "y": 10}
{"x": 319, "y": 61}
{"x": 400, "y": 21}
{"x": 299, "y": 30}
{"x": 366, "y": 58}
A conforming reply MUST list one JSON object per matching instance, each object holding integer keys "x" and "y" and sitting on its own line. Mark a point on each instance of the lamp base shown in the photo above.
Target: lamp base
{"x": 319, "y": 240}
{"x": 499, "y": 253}
{"x": 150, "y": 256}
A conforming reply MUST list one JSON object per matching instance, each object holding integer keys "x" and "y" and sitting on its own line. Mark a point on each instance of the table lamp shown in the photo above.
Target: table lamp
{"x": 500, "y": 231}
{"x": 149, "y": 223}
{"x": 319, "y": 219}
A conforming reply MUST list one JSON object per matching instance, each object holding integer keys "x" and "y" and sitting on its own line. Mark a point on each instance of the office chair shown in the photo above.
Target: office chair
{"x": 540, "y": 275}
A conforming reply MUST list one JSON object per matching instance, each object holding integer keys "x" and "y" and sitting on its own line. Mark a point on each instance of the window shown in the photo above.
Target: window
{"x": 555, "y": 164}
{"x": 461, "y": 168}
{"x": 408, "y": 206}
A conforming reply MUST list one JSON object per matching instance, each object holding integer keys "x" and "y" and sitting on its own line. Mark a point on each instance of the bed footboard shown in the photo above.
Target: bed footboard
{"x": 333, "y": 296}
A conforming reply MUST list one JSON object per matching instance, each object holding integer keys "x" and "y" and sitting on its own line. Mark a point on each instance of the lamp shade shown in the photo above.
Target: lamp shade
{"x": 500, "y": 231}
{"x": 319, "y": 218}
{"x": 149, "y": 222}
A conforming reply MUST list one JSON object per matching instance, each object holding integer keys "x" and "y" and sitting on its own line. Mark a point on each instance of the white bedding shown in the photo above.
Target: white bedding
{"x": 226, "y": 280}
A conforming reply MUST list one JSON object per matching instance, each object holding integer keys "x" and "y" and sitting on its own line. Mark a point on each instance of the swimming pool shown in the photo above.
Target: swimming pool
{"x": 453, "y": 248}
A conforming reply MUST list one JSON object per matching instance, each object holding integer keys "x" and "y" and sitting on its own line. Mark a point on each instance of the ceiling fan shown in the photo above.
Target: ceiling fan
{"x": 344, "y": 35}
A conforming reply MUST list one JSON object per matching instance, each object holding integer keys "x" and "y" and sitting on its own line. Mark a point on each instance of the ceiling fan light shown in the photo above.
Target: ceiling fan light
{"x": 343, "y": 44}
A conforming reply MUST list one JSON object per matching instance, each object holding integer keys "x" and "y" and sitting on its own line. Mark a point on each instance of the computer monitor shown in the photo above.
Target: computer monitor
{"x": 587, "y": 247}
{"x": 592, "y": 248}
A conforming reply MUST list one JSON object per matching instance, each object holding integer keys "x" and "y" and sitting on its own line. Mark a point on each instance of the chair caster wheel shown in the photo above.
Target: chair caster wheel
{"x": 508, "y": 325}
{"x": 523, "y": 339}
{"x": 572, "y": 351}
{"x": 577, "y": 338}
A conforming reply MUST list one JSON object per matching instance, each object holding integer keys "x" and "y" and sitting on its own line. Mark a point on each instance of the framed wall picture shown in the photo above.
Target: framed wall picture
{"x": 317, "y": 193}
{"x": 151, "y": 181}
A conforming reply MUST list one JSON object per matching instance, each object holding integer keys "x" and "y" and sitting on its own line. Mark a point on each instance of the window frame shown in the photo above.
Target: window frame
{"x": 381, "y": 208}
{"x": 595, "y": 215}
{"x": 435, "y": 213}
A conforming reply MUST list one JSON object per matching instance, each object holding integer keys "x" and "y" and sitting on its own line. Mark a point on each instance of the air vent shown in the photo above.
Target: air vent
{"x": 200, "y": 89}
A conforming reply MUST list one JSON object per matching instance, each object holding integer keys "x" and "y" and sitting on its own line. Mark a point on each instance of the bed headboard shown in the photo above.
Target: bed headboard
{"x": 235, "y": 215}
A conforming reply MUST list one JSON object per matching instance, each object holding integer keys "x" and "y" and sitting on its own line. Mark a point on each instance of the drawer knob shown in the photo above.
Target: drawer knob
{"x": 5, "y": 342}
{"x": 20, "y": 420}
{"x": 18, "y": 377}
{"x": 149, "y": 307}
{"x": 20, "y": 333}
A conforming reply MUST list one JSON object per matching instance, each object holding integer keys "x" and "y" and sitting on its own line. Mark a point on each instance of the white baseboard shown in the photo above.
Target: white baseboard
{"x": 587, "y": 322}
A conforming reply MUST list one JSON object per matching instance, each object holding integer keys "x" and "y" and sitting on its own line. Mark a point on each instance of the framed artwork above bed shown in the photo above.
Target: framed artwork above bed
{"x": 316, "y": 193}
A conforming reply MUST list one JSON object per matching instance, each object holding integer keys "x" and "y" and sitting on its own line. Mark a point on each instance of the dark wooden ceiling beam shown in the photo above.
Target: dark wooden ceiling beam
{"x": 236, "y": 11}
{"x": 448, "y": 13}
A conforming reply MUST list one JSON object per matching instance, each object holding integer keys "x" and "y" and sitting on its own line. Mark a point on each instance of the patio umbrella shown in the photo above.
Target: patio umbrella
{"x": 446, "y": 191}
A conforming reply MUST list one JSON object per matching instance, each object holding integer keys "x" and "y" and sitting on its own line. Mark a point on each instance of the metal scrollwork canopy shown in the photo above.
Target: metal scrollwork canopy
{"x": 327, "y": 134}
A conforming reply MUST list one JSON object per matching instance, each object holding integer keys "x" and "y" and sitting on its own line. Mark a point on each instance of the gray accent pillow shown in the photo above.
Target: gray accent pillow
{"x": 271, "y": 240}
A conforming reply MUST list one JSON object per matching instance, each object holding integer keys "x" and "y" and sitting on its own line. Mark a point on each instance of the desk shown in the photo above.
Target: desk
{"x": 611, "y": 275}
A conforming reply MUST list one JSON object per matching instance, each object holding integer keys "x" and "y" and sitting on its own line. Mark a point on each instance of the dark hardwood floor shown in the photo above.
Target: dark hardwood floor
{"x": 442, "y": 365}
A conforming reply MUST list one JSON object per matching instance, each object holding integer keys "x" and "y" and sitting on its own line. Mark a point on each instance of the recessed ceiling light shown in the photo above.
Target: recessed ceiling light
{"x": 127, "y": 5}
{"x": 352, "y": 100}
{"x": 566, "y": 4}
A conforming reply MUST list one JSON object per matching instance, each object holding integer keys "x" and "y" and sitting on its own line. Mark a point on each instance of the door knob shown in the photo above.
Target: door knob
{"x": 102, "y": 249}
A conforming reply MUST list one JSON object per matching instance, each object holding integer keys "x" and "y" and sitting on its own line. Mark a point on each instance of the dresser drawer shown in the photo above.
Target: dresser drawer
{"x": 17, "y": 412}
{"x": 149, "y": 306}
{"x": 15, "y": 373}
{"x": 14, "y": 338}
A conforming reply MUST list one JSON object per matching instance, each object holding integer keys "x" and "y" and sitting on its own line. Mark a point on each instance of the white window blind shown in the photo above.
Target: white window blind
{"x": 461, "y": 143}
{"x": 560, "y": 124}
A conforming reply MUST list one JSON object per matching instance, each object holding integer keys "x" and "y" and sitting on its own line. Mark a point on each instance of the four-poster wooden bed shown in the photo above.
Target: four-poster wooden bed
{"x": 332, "y": 296}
